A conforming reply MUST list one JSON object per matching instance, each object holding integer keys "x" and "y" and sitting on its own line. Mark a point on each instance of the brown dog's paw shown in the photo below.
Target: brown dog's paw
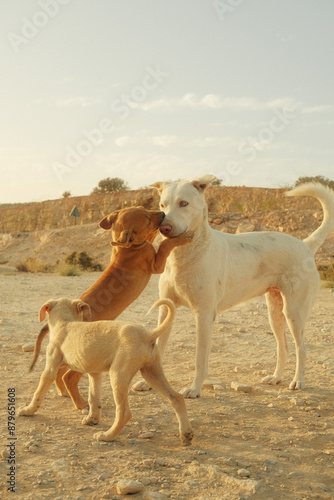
{"x": 184, "y": 238}
{"x": 186, "y": 438}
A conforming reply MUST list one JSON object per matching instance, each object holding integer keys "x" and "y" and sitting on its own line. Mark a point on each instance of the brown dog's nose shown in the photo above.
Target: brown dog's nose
{"x": 165, "y": 229}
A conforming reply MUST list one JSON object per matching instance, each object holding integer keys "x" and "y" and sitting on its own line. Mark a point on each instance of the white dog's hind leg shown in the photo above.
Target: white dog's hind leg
{"x": 278, "y": 325}
{"x": 204, "y": 328}
{"x": 296, "y": 310}
{"x": 94, "y": 399}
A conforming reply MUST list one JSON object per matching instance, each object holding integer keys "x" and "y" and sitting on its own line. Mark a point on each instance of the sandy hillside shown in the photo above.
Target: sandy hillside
{"x": 270, "y": 443}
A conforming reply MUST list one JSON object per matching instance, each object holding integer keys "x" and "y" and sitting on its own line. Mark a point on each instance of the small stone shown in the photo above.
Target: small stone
{"x": 28, "y": 347}
{"x": 218, "y": 221}
{"x": 5, "y": 454}
{"x": 269, "y": 462}
{"x": 242, "y": 330}
{"x": 58, "y": 464}
{"x": 153, "y": 495}
{"x": 297, "y": 401}
{"x": 243, "y": 473}
{"x": 329, "y": 452}
{"x": 146, "y": 435}
{"x": 295, "y": 473}
{"x": 191, "y": 484}
{"x": 237, "y": 386}
{"x": 125, "y": 487}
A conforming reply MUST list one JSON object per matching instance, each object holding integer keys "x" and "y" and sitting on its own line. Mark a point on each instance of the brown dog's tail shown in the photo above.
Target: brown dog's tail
{"x": 167, "y": 322}
{"x": 44, "y": 331}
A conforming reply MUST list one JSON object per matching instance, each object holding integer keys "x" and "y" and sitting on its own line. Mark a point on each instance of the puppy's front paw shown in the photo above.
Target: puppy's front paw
{"x": 101, "y": 436}
{"x": 90, "y": 420}
{"x": 25, "y": 410}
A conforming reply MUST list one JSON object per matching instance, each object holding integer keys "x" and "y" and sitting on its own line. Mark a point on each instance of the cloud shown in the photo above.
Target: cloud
{"x": 217, "y": 102}
{"x": 82, "y": 101}
{"x": 164, "y": 141}
{"x": 122, "y": 141}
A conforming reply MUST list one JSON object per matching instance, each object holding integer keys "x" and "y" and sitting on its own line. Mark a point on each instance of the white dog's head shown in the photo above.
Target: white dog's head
{"x": 183, "y": 203}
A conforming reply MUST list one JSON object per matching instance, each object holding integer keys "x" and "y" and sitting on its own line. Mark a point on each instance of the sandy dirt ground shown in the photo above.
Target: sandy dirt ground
{"x": 269, "y": 443}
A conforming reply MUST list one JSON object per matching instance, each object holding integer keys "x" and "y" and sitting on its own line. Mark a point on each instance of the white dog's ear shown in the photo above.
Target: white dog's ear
{"x": 202, "y": 182}
{"x": 159, "y": 186}
{"x": 109, "y": 220}
{"x": 46, "y": 309}
{"x": 84, "y": 308}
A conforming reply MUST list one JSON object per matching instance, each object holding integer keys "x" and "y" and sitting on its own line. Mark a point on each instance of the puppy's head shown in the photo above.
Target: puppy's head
{"x": 132, "y": 226}
{"x": 66, "y": 310}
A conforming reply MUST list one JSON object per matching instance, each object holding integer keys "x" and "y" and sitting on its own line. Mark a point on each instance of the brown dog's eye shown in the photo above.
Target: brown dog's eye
{"x": 183, "y": 203}
{"x": 162, "y": 205}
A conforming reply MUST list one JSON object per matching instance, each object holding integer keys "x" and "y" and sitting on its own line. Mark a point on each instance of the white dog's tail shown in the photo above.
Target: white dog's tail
{"x": 326, "y": 197}
{"x": 167, "y": 322}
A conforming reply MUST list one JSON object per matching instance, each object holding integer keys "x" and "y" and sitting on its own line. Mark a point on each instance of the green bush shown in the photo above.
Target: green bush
{"x": 83, "y": 261}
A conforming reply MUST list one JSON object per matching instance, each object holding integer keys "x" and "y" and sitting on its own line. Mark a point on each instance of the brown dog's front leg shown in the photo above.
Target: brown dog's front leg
{"x": 165, "y": 249}
{"x": 71, "y": 380}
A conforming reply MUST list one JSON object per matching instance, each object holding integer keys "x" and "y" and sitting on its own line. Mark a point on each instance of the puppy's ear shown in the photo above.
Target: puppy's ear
{"x": 124, "y": 239}
{"x": 109, "y": 220}
{"x": 202, "y": 182}
{"x": 46, "y": 309}
{"x": 159, "y": 186}
{"x": 84, "y": 308}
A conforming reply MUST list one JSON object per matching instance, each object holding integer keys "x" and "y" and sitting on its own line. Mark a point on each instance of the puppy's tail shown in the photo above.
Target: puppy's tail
{"x": 167, "y": 322}
{"x": 38, "y": 344}
{"x": 326, "y": 197}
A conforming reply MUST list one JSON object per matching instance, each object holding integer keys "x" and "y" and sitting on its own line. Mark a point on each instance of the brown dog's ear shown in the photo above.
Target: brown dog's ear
{"x": 84, "y": 308}
{"x": 109, "y": 220}
{"x": 159, "y": 186}
{"x": 46, "y": 309}
{"x": 202, "y": 182}
{"x": 124, "y": 239}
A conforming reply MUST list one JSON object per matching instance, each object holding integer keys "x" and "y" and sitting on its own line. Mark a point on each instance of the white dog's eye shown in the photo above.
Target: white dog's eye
{"x": 183, "y": 203}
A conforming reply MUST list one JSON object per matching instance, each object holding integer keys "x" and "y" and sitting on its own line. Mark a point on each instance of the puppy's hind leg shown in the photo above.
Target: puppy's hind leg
{"x": 156, "y": 378}
{"x": 142, "y": 385}
{"x": 278, "y": 325}
{"x": 94, "y": 399}
{"x": 120, "y": 382}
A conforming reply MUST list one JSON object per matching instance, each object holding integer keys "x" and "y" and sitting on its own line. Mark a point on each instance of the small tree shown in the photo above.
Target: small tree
{"x": 107, "y": 185}
{"x": 318, "y": 178}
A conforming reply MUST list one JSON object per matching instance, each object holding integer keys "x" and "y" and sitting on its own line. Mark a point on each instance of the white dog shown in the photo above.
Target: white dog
{"x": 105, "y": 346}
{"x": 216, "y": 271}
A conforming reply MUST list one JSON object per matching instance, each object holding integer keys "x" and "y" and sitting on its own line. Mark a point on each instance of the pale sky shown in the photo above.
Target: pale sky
{"x": 151, "y": 90}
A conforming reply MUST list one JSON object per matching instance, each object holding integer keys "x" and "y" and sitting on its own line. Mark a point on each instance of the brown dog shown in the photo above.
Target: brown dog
{"x": 133, "y": 261}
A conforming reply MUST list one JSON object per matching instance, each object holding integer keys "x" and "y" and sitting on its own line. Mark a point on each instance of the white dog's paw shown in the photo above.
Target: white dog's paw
{"x": 90, "y": 420}
{"x": 297, "y": 385}
{"x": 141, "y": 386}
{"x": 101, "y": 436}
{"x": 189, "y": 392}
{"x": 25, "y": 410}
{"x": 271, "y": 380}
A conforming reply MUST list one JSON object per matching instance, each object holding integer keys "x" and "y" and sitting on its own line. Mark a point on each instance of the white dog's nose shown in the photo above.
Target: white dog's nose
{"x": 165, "y": 229}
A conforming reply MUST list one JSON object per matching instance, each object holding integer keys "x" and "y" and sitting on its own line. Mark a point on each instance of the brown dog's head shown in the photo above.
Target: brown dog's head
{"x": 132, "y": 226}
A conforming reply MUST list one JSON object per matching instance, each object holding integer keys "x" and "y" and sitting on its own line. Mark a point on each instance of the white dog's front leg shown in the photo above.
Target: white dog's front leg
{"x": 204, "y": 327}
